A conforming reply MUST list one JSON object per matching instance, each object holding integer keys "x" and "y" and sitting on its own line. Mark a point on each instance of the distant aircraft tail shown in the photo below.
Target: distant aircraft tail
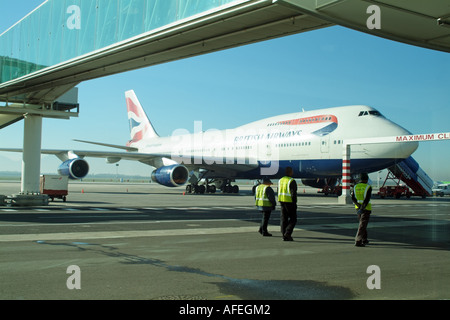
{"x": 140, "y": 125}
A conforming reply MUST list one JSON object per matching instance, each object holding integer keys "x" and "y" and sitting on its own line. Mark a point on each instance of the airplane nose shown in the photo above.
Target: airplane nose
{"x": 396, "y": 150}
{"x": 403, "y": 149}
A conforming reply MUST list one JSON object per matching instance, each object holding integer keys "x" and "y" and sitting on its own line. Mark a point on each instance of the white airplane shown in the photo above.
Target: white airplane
{"x": 311, "y": 142}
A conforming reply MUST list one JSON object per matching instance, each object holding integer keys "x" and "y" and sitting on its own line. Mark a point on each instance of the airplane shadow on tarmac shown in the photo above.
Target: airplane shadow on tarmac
{"x": 246, "y": 289}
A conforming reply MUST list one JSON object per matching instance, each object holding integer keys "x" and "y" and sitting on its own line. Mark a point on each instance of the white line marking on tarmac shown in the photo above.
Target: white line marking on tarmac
{"x": 198, "y": 231}
{"x": 121, "y": 234}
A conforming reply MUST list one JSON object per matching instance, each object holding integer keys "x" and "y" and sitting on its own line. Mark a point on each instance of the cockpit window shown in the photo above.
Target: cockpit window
{"x": 375, "y": 113}
{"x": 372, "y": 113}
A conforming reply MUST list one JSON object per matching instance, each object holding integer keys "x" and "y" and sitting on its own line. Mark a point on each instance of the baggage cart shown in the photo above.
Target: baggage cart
{"x": 55, "y": 186}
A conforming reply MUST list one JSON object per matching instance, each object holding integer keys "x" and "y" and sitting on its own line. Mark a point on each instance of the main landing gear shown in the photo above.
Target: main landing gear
{"x": 200, "y": 189}
{"x": 211, "y": 186}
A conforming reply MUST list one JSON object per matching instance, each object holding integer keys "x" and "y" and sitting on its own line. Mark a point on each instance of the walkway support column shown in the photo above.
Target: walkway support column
{"x": 31, "y": 165}
{"x": 31, "y": 160}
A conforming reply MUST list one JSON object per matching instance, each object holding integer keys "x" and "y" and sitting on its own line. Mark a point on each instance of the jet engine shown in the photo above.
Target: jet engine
{"x": 74, "y": 168}
{"x": 171, "y": 176}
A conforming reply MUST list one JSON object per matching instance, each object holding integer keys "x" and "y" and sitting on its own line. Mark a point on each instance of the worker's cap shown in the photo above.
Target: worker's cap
{"x": 267, "y": 180}
{"x": 364, "y": 176}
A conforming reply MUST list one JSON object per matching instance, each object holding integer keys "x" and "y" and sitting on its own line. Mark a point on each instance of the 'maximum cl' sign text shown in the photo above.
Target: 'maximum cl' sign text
{"x": 424, "y": 137}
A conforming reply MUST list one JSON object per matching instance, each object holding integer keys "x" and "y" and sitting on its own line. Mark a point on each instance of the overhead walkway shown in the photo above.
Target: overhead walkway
{"x": 117, "y": 36}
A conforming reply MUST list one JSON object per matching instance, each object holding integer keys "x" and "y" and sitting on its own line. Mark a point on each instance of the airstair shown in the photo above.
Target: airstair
{"x": 412, "y": 175}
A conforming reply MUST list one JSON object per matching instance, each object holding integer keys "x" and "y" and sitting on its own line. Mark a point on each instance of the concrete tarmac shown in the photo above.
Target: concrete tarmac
{"x": 148, "y": 242}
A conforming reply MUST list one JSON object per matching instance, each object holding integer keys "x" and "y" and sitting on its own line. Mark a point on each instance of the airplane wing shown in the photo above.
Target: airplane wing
{"x": 95, "y": 154}
{"x": 219, "y": 166}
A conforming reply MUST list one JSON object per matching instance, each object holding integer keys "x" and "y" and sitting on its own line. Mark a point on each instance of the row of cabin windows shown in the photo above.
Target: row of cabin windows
{"x": 301, "y": 121}
{"x": 293, "y": 144}
{"x": 223, "y": 149}
{"x": 279, "y": 145}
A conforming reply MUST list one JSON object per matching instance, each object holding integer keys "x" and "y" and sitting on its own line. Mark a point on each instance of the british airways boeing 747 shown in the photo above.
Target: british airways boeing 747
{"x": 311, "y": 142}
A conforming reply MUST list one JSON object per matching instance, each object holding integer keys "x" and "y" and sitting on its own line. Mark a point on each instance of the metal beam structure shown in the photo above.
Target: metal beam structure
{"x": 415, "y": 22}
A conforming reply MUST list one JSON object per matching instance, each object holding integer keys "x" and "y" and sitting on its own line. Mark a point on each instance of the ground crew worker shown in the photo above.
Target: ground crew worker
{"x": 362, "y": 192}
{"x": 265, "y": 201}
{"x": 287, "y": 196}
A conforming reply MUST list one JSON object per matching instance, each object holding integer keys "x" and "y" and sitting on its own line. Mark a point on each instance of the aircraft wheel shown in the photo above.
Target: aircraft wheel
{"x": 227, "y": 189}
{"x": 235, "y": 189}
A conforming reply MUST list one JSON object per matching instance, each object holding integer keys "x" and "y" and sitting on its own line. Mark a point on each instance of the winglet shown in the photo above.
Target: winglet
{"x": 140, "y": 125}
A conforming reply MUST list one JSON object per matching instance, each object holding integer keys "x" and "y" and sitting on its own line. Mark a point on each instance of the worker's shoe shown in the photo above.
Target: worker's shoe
{"x": 287, "y": 238}
{"x": 264, "y": 233}
{"x": 359, "y": 244}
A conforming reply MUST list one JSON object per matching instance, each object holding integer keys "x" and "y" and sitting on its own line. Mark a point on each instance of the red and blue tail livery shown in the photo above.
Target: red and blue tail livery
{"x": 140, "y": 126}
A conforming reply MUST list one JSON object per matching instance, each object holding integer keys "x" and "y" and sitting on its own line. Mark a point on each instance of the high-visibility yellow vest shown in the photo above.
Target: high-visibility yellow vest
{"x": 284, "y": 193}
{"x": 262, "y": 200}
{"x": 360, "y": 194}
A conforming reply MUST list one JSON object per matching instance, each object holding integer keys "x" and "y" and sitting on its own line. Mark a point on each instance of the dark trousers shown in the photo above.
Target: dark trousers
{"x": 265, "y": 220}
{"x": 288, "y": 218}
{"x": 361, "y": 235}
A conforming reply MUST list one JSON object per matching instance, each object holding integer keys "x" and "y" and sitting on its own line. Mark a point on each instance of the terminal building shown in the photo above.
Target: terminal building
{"x": 62, "y": 43}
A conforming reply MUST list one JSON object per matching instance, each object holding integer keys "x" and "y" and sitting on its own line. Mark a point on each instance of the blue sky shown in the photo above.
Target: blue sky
{"x": 323, "y": 68}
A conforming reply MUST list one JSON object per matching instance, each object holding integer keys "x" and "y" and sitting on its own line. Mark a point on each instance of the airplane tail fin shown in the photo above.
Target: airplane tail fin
{"x": 140, "y": 125}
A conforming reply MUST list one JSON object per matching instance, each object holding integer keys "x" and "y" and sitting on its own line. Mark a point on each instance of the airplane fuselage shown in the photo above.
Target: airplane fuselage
{"x": 310, "y": 142}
